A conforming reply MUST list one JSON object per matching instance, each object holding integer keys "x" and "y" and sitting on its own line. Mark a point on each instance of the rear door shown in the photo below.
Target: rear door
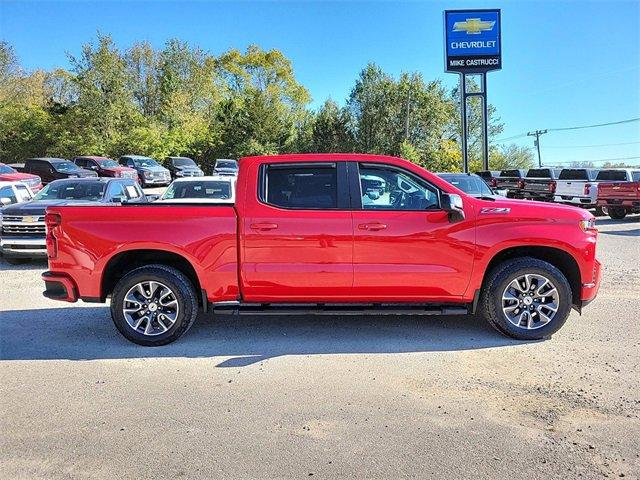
{"x": 297, "y": 234}
{"x": 405, "y": 248}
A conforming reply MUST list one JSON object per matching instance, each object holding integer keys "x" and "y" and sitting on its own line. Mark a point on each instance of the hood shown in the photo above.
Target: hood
{"x": 188, "y": 168}
{"x": 153, "y": 169}
{"x": 16, "y": 177}
{"x": 534, "y": 209}
{"x": 39, "y": 207}
{"x": 118, "y": 169}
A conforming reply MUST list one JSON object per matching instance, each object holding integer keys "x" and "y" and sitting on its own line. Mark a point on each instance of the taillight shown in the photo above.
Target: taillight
{"x": 520, "y": 183}
{"x": 52, "y": 220}
{"x": 552, "y": 187}
{"x": 494, "y": 183}
{"x": 587, "y": 189}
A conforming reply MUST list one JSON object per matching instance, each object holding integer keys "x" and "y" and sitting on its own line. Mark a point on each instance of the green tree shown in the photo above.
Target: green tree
{"x": 330, "y": 132}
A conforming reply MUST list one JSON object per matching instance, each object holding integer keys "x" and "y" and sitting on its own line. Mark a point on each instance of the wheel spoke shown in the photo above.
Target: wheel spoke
{"x": 530, "y": 301}
{"x": 150, "y": 308}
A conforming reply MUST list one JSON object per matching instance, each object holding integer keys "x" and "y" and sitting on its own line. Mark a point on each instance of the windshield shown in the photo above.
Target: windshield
{"x": 145, "y": 162}
{"x": 183, "y": 162}
{"x": 6, "y": 169}
{"x": 84, "y": 190}
{"x": 107, "y": 163}
{"x": 226, "y": 164}
{"x": 207, "y": 189}
{"x": 469, "y": 184}
{"x": 65, "y": 166}
{"x": 573, "y": 174}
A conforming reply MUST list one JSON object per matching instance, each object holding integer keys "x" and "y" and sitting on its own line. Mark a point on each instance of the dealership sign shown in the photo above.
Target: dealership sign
{"x": 472, "y": 41}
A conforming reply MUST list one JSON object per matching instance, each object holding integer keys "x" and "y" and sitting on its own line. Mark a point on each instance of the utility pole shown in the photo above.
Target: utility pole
{"x": 537, "y": 134}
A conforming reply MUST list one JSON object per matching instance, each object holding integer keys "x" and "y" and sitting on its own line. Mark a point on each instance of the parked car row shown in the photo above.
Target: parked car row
{"x": 36, "y": 172}
{"x": 615, "y": 192}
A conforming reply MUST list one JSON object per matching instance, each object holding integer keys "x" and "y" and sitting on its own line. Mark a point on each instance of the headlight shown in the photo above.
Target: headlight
{"x": 148, "y": 174}
{"x": 588, "y": 225}
{"x": 179, "y": 174}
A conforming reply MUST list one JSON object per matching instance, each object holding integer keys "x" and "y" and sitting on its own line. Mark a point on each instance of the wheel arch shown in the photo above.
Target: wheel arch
{"x": 123, "y": 262}
{"x": 561, "y": 259}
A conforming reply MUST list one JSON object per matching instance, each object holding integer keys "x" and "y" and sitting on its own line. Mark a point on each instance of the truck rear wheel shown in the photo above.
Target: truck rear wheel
{"x": 526, "y": 298}
{"x": 154, "y": 305}
{"x": 617, "y": 213}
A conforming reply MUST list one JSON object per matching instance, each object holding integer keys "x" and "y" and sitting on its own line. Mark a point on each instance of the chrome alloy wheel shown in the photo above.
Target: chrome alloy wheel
{"x": 530, "y": 301}
{"x": 150, "y": 308}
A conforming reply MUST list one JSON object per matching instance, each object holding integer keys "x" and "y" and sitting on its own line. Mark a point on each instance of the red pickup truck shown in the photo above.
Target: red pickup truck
{"x": 619, "y": 194}
{"x": 308, "y": 236}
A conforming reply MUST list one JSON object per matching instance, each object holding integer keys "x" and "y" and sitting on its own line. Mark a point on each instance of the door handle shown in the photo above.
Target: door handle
{"x": 264, "y": 226}
{"x": 374, "y": 227}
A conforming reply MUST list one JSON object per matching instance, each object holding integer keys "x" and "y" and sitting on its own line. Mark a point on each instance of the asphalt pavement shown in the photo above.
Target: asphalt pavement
{"x": 322, "y": 397}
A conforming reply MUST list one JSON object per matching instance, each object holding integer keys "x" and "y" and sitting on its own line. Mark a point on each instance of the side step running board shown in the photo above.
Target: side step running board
{"x": 235, "y": 308}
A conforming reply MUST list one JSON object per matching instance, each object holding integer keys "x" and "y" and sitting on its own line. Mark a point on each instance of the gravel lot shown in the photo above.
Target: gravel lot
{"x": 329, "y": 397}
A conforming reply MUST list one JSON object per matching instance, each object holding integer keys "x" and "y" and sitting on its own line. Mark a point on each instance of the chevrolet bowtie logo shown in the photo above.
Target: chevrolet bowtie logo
{"x": 473, "y": 26}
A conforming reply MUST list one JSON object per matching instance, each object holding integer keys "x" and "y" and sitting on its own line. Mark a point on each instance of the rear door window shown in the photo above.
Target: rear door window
{"x": 301, "y": 186}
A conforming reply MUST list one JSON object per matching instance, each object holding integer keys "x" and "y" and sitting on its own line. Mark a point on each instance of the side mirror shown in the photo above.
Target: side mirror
{"x": 452, "y": 203}
{"x": 5, "y": 201}
{"x": 152, "y": 197}
{"x": 118, "y": 199}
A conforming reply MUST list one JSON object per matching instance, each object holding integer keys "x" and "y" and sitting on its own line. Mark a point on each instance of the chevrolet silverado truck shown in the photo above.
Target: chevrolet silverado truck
{"x": 578, "y": 187}
{"x": 619, "y": 192}
{"x": 540, "y": 184}
{"x": 304, "y": 237}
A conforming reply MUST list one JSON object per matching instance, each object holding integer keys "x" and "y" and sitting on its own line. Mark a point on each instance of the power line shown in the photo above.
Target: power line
{"x": 593, "y": 126}
{"x": 560, "y": 129}
{"x": 592, "y": 146}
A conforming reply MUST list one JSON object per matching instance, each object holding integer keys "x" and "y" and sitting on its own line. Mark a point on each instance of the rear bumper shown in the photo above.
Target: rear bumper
{"x": 631, "y": 203}
{"x": 59, "y": 287}
{"x": 590, "y": 290}
{"x": 570, "y": 200}
{"x": 23, "y": 247}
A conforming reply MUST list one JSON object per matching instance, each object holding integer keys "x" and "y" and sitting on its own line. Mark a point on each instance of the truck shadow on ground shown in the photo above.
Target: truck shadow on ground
{"x": 87, "y": 333}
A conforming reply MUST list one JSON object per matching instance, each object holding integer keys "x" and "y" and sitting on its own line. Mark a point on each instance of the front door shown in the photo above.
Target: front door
{"x": 405, "y": 248}
{"x": 297, "y": 235}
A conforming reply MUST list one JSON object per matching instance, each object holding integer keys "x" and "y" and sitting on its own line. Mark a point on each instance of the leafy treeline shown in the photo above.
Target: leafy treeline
{"x": 182, "y": 100}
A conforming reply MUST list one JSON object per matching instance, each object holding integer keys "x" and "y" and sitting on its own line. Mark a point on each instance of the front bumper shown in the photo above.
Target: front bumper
{"x": 589, "y": 290}
{"x": 23, "y": 247}
{"x": 157, "y": 181}
{"x": 59, "y": 287}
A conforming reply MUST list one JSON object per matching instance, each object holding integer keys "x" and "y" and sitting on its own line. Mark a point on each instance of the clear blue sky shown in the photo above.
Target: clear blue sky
{"x": 565, "y": 63}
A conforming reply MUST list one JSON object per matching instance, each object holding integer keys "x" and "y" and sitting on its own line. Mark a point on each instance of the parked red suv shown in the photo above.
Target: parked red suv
{"x": 105, "y": 167}
{"x": 307, "y": 236}
{"x": 9, "y": 174}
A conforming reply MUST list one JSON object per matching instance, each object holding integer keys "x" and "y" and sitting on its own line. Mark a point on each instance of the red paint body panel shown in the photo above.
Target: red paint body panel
{"x": 260, "y": 253}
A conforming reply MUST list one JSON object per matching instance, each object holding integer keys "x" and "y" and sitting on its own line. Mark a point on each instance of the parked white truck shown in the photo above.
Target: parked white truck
{"x": 577, "y": 186}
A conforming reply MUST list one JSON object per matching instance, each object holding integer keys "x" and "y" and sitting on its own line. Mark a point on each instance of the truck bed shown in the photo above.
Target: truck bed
{"x": 90, "y": 237}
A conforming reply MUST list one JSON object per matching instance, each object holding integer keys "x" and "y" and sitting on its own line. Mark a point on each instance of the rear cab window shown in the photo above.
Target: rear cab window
{"x": 612, "y": 176}
{"x": 539, "y": 173}
{"x": 574, "y": 174}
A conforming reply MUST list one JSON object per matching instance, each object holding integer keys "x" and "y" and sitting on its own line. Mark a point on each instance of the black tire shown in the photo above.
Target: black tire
{"x": 184, "y": 293}
{"x": 16, "y": 260}
{"x": 502, "y": 275}
{"x": 617, "y": 213}
{"x": 599, "y": 212}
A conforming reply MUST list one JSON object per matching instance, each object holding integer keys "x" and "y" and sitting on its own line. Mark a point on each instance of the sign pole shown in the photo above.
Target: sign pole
{"x": 485, "y": 124}
{"x": 463, "y": 117}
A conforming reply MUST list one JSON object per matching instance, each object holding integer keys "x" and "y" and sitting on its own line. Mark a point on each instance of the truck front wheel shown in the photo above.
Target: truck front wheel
{"x": 526, "y": 298}
{"x": 154, "y": 305}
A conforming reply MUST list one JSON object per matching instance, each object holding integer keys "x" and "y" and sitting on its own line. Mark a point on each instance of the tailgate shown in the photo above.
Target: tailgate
{"x": 537, "y": 185}
{"x": 619, "y": 190}
{"x": 573, "y": 188}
